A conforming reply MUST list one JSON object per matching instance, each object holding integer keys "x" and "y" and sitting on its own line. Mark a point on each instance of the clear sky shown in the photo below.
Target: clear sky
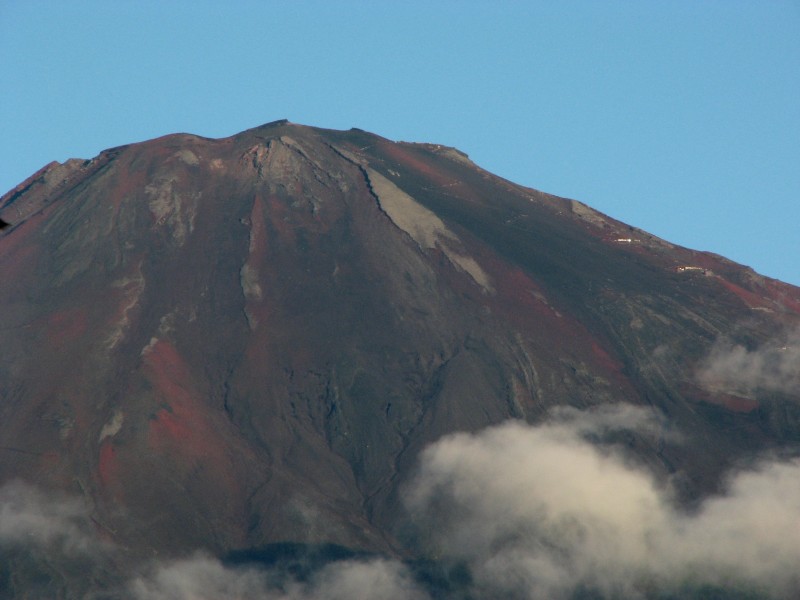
{"x": 679, "y": 117}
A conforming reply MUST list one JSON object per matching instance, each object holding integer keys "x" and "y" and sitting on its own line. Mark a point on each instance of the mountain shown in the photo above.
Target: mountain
{"x": 245, "y": 346}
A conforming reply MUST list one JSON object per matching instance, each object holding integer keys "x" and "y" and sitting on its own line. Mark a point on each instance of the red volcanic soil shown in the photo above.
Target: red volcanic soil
{"x": 107, "y": 465}
{"x": 751, "y": 299}
{"x": 183, "y": 425}
{"x": 407, "y": 158}
{"x": 785, "y": 295}
{"x": 731, "y": 402}
{"x": 66, "y": 326}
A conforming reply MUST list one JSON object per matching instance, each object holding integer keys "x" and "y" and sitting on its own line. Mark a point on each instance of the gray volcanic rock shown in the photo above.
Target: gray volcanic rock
{"x": 228, "y": 344}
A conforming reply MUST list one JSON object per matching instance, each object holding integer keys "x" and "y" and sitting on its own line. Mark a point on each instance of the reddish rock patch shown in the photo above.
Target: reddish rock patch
{"x": 183, "y": 427}
{"x": 407, "y": 158}
{"x": 107, "y": 465}
{"x": 66, "y": 326}
{"x": 731, "y": 402}
{"x": 749, "y": 298}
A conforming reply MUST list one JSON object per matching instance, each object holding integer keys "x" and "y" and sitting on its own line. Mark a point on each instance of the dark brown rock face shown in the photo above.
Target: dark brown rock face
{"x": 226, "y": 344}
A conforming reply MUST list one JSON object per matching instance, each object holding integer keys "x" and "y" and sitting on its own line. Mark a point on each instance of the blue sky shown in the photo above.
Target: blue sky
{"x": 680, "y": 117}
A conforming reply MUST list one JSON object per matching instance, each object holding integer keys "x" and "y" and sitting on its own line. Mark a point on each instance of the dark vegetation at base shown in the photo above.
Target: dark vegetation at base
{"x": 298, "y": 561}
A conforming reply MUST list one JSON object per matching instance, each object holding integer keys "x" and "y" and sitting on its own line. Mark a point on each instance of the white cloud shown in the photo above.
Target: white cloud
{"x": 773, "y": 366}
{"x": 353, "y": 580}
{"x": 538, "y": 511}
{"x": 31, "y": 518}
{"x": 199, "y": 578}
{"x": 752, "y": 533}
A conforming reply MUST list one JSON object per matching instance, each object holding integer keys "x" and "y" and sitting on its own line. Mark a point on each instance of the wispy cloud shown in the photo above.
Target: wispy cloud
{"x": 773, "y": 366}
{"x": 31, "y": 518}
{"x": 49, "y": 547}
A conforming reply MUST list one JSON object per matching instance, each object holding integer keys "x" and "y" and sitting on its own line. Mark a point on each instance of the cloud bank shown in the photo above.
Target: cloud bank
{"x": 540, "y": 512}
{"x": 550, "y": 511}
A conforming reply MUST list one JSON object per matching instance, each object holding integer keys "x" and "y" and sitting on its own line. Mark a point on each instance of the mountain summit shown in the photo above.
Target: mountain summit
{"x": 244, "y": 346}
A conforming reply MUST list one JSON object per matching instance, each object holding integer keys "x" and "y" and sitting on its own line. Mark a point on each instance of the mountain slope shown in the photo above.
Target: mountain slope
{"x": 227, "y": 344}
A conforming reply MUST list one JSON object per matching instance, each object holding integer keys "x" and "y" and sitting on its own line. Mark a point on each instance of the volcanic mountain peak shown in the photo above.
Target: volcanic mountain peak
{"x": 239, "y": 343}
